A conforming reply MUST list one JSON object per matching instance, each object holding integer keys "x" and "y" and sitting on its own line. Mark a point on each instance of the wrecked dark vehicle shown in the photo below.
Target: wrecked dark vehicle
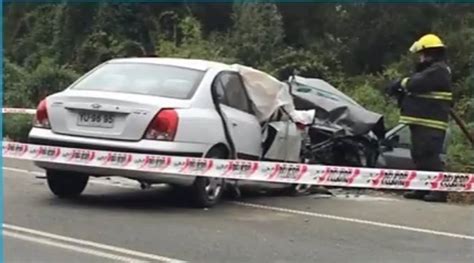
{"x": 343, "y": 133}
{"x": 337, "y": 130}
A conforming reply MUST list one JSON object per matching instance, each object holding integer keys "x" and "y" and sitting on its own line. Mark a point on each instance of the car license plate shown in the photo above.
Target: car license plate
{"x": 95, "y": 119}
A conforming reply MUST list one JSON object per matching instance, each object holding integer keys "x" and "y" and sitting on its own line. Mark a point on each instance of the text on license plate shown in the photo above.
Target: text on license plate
{"x": 95, "y": 119}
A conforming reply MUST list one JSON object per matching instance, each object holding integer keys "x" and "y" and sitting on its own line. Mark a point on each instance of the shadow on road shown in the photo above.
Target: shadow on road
{"x": 162, "y": 198}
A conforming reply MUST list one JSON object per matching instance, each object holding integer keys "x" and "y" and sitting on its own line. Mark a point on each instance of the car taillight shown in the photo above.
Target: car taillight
{"x": 41, "y": 119}
{"x": 164, "y": 126}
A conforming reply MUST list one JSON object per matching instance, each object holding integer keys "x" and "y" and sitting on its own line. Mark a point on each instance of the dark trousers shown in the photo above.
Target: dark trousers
{"x": 427, "y": 146}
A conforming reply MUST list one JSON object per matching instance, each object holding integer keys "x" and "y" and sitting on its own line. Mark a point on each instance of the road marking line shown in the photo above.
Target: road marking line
{"x": 354, "y": 220}
{"x": 83, "y": 250}
{"x": 91, "y": 180}
{"x": 11, "y": 169}
{"x": 76, "y": 241}
{"x": 318, "y": 215}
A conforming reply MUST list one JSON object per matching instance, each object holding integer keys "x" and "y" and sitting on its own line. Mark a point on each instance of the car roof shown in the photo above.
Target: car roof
{"x": 197, "y": 64}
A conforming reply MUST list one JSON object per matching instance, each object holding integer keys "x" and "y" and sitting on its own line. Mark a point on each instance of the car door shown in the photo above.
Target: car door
{"x": 240, "y": 120}
{"x": 397, "y": 154}
{"x": 397, "y": 147}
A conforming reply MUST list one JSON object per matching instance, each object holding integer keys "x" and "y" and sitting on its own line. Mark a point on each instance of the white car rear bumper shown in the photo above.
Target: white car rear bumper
{"x": 47, "y": 137}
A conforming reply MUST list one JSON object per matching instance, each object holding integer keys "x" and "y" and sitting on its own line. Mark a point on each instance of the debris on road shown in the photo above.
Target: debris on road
{"x": 461, "y": 198}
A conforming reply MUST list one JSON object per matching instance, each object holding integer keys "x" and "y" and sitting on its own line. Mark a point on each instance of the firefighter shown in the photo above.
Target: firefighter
{"x": 425, "y": 100}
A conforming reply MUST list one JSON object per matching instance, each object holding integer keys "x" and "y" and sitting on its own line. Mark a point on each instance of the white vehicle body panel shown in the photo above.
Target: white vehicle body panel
{"x": 200, "y": 126}
{"x": 287, "y": 143}
{"x": 245, "y": 131}
{"x": 132, "y": 113}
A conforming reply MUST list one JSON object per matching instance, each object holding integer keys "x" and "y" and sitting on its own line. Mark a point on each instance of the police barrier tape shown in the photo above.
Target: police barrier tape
{"x": 246, "y": 170}
{"x": 19, "y": 111}
{"x": 241, "y": 169}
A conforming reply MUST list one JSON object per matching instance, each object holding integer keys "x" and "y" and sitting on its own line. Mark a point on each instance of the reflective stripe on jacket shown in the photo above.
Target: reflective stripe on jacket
{"x": 436, "y": 95}
{"x": 429, "y": 97}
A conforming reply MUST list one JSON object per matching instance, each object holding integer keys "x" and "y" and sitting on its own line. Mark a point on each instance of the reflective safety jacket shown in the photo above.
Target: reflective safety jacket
{"x": 428, "y": 97}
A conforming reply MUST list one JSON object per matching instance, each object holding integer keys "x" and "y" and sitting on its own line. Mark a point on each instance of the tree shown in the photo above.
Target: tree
{"x": 257, "y": 33}
{"x": 192, "y": 44}
{"x": 14, "y": 85}
{"x": 47, "y": 78}
{"x": 358, "y": 47}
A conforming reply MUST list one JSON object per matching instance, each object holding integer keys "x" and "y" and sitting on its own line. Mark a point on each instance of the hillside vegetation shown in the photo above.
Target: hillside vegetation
{"x": 356, "y": 47}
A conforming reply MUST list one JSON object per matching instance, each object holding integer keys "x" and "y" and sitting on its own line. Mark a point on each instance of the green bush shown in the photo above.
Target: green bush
{"x": 46, "y": 79}
{"x": 14, "y": 85}
{"x": 16, "y": 127}
{"x": 46, "y": 46}
{"x": 460, "y": 151}
{"x": 193, "y": 44}
{"x": 257, "y": 34}
{"x": 305, "y": 62}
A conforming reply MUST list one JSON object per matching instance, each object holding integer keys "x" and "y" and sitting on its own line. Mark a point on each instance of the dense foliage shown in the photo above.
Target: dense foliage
{"x": 356, "y": 47}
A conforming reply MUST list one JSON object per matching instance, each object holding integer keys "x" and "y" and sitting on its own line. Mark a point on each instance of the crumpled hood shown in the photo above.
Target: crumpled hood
{"x": 335, "y": 108}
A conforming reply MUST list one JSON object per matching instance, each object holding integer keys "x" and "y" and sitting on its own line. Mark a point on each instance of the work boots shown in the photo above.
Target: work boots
{"x": 415, "y": 194}
{"x": 436, "y": 197}
{"x": 427, "y": 196}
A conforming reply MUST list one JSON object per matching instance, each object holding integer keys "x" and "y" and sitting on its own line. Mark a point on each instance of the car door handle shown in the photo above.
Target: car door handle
{"x": 234, "y": 124}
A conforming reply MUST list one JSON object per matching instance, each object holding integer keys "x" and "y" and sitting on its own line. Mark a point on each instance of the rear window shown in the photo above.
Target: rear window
{"x": 142, "y": 78}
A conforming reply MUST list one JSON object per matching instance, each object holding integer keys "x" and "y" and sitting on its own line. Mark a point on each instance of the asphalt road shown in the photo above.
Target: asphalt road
{"x": 115, "y": 221}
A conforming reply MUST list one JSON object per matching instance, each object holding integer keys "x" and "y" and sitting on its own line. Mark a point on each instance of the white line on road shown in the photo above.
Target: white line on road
{"x": 79, "y": 249}
{"x": 355, "y": 220}
{"x": 82, "y": 242}
{"x": 11, "y": 169}
{"x": 94, "y": 181}
{"x": 317, "y": 215}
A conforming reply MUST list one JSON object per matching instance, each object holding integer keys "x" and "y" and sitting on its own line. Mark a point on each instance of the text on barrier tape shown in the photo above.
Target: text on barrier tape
{"x": 245, "y": 170}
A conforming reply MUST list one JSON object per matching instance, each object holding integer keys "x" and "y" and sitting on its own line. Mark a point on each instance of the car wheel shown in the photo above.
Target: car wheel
{"x": 299, "y": 189}
{"x": 357, "y": 157}
{"x": 66, "y": 184}
{"x": 207, "y": 191}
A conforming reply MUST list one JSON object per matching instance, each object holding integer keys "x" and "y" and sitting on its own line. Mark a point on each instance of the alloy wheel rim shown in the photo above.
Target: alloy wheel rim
{"x": 213, "y": 187}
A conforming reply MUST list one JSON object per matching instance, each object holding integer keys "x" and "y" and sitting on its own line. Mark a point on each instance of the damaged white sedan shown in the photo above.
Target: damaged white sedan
{"x": 168, "y": 106}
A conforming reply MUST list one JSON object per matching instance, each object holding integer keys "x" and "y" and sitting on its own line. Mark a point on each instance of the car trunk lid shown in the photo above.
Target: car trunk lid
{"x": 108, "y": 115}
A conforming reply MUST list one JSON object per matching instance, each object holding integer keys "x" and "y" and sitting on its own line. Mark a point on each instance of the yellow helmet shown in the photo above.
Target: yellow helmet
{"x": 426, "y": 41}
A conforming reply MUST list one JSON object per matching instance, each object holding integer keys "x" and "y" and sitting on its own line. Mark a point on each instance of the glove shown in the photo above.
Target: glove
{"x": 395, "y": 89}
{"x": 400, "y": 99}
